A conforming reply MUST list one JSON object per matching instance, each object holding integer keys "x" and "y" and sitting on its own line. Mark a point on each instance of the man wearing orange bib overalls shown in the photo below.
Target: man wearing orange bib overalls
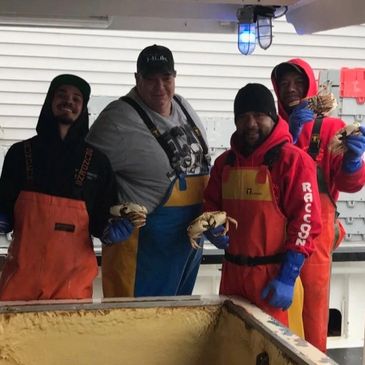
{"x": 55, "y": 191}
{"x": 269, "y": 186}
{"x": 293, "y": 81}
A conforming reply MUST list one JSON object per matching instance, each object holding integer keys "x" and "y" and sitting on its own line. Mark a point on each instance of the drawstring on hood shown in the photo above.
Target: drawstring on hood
{"x": 47, "y": 126}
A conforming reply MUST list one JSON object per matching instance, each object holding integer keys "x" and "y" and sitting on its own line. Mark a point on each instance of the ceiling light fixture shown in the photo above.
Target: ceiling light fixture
{"x": 255, "y": 24}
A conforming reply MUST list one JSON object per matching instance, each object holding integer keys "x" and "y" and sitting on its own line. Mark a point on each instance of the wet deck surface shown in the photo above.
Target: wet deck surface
{"x": 352, "y": 356}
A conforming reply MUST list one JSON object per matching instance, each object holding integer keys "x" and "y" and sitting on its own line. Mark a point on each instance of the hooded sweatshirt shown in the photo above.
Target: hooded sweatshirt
{"x": 56, "y": 163}
{"x": 331, "y": 164}
{"x": 288, "y": 173}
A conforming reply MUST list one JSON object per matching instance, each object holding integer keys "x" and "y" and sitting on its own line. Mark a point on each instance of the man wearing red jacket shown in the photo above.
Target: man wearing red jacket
{"x": 268, "y": 185}
{"x": 293, "y": 81}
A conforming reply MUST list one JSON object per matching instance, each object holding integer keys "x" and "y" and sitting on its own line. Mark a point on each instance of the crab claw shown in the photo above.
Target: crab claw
{"x": 136, "y": 213}
{"x": 207, "y": 221}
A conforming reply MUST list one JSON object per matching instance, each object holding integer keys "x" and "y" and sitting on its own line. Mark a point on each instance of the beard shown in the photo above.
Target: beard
{"x": 248, "y": 147}
{"x": 261, "y": 138}
{"x": 64, "y": 120}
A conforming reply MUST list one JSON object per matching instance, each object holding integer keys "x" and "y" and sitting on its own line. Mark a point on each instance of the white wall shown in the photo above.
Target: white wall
{"x": 210, "y": 69}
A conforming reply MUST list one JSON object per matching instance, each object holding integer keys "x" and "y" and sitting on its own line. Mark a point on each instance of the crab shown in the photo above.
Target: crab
{"x": 207, "y": 221}
{"x": 134, "y": 212}
{"x": 322, "y": 103}
{"x": 337, "y": 144}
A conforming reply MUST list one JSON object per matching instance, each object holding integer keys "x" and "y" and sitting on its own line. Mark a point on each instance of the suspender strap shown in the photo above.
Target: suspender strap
{"x": 253, "y": 261}
{"x": 80, "y": 178}
{"x": 146, "y": 119}
{"x": 323, "y": 188}
{"x": 230, "y": 159}
{"x": 193, "y": 126}
{"x": 273, "y": 155}
{"x": 270, "y": 156}
{"x": 313, "y": 151}
{"x": 28, "y": 162}
{"x": 156, "y": 133}
{"x": 149, "y": 124}
{"x": 315, "y": 141}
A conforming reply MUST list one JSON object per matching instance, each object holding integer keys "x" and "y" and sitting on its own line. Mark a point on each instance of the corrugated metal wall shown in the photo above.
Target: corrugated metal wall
{"x": 210, "y": 69}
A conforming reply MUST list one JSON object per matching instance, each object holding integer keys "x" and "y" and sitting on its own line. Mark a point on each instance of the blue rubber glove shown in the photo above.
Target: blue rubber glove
{"x": 298, "y": 117}
{"x": 214, "y": 235}
{"x": 282, "y": 287}
{"x": 352, "y": 160}
{"x": 117, "y": 230}
{"x": 5, "y": 225}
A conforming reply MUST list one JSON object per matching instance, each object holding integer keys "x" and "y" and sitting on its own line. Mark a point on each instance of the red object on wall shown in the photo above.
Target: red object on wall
{"x": 352, "y": 84}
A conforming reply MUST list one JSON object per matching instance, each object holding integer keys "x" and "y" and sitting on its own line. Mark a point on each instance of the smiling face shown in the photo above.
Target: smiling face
{"x": 156, "y": 91}
{"x": 67, "y": 104}
{"x": 293, "y": 87}
{"x": 253, "y": 128}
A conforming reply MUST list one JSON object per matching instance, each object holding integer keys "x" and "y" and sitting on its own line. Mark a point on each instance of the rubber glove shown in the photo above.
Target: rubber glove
{"x": 117, "y": 230}
{"x": 353, "y": 157}
{"x": 214, "y": 235}
{"x": 5, "y": 225}
{"x": 298, "y": 117}
{"x": 282, "y": 287}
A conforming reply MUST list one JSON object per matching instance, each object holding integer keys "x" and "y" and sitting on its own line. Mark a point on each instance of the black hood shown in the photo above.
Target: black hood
{"x": 47, "y": 127}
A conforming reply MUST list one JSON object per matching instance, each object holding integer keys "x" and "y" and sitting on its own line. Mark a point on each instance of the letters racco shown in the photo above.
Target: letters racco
{"x": 305, "y": 227}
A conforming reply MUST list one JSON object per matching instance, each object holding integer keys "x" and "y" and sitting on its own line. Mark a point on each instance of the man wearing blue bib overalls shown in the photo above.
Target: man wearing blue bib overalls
{"x": 158, "y": 151}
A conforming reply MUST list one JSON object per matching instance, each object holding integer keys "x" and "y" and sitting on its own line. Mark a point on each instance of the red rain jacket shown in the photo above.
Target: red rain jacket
{"x": 336, "y": 179}
{"x": 288, "y": 173}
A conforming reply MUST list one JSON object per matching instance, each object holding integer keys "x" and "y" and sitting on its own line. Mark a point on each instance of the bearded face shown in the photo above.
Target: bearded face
{"x": 67, "y": 104}
{"x": 253, "y": 128}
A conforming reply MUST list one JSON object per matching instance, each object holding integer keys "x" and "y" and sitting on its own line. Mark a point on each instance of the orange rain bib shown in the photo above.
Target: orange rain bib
{"x": 248, "y": 197}
{"x": 51, "y": 255}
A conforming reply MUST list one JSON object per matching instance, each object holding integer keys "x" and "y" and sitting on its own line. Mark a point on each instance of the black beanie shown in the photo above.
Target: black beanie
{"x": 255, "y": 98}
